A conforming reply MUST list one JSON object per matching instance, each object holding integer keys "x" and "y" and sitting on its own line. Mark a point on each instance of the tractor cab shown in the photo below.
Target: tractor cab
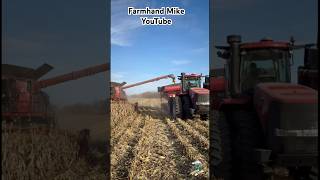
{"x": 256, "y": 62}
{"x": 264, "y": 64}
{"x": 189, "y": 81}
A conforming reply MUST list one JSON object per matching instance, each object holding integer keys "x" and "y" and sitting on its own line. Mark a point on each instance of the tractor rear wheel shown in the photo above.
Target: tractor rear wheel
{"x": 220, "y": 147}
{"x": 186, "y": 104}
{"x": 178, "y": 112}
{"x": 246, "y": 137}
{"x": 172, "y": 107}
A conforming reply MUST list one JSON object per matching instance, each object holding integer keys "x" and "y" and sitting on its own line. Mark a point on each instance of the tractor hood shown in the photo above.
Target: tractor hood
{"x": 289, "y": 117}
{"x": 285, "y": 93}
{"x": 199, "y": 91}
{"x": 290, "y": 106}
{"x": 199, "y": 96}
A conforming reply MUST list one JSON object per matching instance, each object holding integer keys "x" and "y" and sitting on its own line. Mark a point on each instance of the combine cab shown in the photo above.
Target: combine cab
{"x": 261, "y": 121}
{"x": 187, "y": 98}
{"x": 23, "y": 101}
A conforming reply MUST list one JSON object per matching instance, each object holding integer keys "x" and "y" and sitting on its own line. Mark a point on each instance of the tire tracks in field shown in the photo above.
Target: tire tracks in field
{"x": 204, "y": 130}
{"x": 123, "y": 128}
{"x": 188, "y": 147}
{"x": 189, "y": 138}
{"x": 157, "y": 148}
{"x": 195, "y": 149}
{"x": 154, "y": 154}
{"x": 122, "y": 160}
{"x": 199, "y": 141}
{"x": 182, "y": 162}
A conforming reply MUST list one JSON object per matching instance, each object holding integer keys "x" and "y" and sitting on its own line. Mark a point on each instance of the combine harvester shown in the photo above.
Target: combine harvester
{"x": 23, "y": 101}
{"x": 117, "y": 89}
{"x": 187, "y": 98}
{"x": 262, "y": 123}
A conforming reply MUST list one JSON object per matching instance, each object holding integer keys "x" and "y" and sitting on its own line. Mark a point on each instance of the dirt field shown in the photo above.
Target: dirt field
{"x": 146, "y": 144}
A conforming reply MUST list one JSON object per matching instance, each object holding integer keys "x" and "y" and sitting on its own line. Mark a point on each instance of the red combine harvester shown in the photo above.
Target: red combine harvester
{"x": 23, "y": 102}
{"x": 117, "y": 89}
{"x": 187, "y": 98}
{"x": 262, "y": 122}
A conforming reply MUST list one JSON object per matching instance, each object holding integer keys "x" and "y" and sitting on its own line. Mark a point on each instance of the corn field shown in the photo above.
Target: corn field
{"x": 146, "y": 144}
{"x": 36, "y": 153}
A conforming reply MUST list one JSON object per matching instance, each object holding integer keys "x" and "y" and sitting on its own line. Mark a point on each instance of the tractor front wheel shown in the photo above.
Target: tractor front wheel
{"x": 246, "y": 136}
{"x": 220, "y": 147}
{"x": 186, "y": 104}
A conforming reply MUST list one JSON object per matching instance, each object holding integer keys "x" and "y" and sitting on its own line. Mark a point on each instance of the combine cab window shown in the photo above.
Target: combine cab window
{"x": 266, "y": 65}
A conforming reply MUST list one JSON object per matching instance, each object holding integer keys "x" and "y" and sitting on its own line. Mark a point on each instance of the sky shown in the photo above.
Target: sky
{"x": 142, "y": 52}
{"x": 71, "y": 35}
{"x": 255, "y": 19}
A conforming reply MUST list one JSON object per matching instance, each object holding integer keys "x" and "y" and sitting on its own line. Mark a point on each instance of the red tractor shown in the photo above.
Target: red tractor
{"x": 187, "y": 98}
{"x": 23, "y": 102}
{"x": 260, "y": 120}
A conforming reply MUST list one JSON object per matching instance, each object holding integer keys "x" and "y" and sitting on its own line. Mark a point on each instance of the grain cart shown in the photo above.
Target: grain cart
{"x": 261, "y": 121}
{"x": 187, "y": 98}
{"x": 24, "y": 102}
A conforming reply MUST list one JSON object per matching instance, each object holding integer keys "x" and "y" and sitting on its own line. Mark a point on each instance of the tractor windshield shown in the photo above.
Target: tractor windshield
{"x": 192, "y": 82}
{"x": 266, "y": 65}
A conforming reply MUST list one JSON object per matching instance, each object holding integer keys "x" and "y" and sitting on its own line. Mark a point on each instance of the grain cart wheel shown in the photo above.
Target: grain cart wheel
{"x": 220, "y": 147}
{"x": 245, "y": 138}
{"x": 186, "y": 104}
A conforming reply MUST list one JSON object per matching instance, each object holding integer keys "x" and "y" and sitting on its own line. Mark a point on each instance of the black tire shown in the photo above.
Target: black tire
{"x": 178, "y": 108}
{"x": 304, "y": 172}
{"x": 313, "y": 174}
{"x": 171, "y": 106}
{"x": 204, "y": 117}
{"x": 220, "y": 147}
{"x": 245, "y": 138}
{"x": 186, "y": 104}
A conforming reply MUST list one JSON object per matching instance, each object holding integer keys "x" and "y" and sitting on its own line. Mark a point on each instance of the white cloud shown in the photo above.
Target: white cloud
{"x": 180, "y": 62}
{"x": 123, "y": 27}
{"x": 121, "y": 31}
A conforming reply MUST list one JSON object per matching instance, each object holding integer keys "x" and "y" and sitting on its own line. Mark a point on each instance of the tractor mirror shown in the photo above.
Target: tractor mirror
{"x": 291, "y": 58}
{"x": 311, "y": 57}
{"x": 223, "y": 55}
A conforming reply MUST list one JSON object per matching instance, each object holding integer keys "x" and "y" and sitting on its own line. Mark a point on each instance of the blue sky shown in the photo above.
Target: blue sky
{"x": 141, "y": 52}
{"x": 70, "y": 35}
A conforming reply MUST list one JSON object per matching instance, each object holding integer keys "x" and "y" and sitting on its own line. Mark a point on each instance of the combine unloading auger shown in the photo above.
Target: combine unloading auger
{"x": 117, "y": 89}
